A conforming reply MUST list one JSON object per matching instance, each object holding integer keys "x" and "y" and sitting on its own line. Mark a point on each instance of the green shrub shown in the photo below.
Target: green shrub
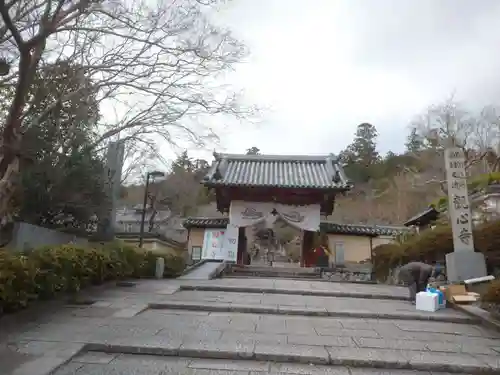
{"x": 476, "y": 184}
{"x": 492, "y": 294}
{"x": 44, "y": 272}
{"x": 17, "y": 281}
{"x": 433, "y": 245}
{"x": 125, "y": 260}
{"x": 174, "y": 266}
{"x": 482, "y": 181}
{"x": 385, "y": 257}
{"x": 139, "y": 263}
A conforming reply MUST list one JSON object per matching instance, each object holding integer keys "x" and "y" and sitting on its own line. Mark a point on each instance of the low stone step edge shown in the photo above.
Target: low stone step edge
{"x": 300, "y": 292}
{"x": 290, "y": 358}
{"x": 299, "y": 278}
{"x": 482, "y": 315}
{"x": 316, "y": 279}
{"x": 274, "y": 276}
{"x": 50, "y": 362}
{"x": 309, "y": 312}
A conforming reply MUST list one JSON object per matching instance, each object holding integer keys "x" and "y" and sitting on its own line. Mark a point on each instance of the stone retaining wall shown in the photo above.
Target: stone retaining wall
{"x": 350, "y": 272}
{"x": 27, "y": 236}
{"x": 345, "y": 275}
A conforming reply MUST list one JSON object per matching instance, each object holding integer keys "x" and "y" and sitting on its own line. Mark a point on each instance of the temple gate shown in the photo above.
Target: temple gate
{"x": 255, "y": 188}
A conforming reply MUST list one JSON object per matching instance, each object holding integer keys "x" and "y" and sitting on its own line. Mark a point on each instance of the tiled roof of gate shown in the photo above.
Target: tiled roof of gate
{"x": 428, "y": 215}
{"x": 281, "y": 171}
{"x": 328, "y": 227}
{"x": 361, "y": 230}
{"x": 206, "y": 222}
{"x": 148, "y": 235}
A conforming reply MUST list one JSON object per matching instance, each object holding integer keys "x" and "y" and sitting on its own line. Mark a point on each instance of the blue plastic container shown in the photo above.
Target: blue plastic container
{"x": 441, "y": 301}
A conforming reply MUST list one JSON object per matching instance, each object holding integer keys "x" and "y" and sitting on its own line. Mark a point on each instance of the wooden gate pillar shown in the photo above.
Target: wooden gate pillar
{"x": 242, "y": 245}
{"x": 307, "y": 251}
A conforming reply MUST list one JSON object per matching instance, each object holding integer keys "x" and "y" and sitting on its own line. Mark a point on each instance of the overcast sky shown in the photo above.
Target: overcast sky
{"x": 325, "y": 66}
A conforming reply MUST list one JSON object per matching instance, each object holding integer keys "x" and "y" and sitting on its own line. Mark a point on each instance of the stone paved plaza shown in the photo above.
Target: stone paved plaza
{"x": 209, "y": 327}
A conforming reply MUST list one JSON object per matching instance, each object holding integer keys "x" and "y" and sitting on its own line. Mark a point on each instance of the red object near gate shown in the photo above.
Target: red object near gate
{"x": 311, "y": 256}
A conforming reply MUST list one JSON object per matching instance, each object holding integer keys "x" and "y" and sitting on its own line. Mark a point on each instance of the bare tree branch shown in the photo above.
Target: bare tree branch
{"x": 156, "y": 67}
{"x": 450, "y": 124}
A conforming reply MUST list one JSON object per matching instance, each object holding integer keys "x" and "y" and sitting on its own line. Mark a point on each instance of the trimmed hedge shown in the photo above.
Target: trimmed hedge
{"x": 433, "y": 245}
{"x": 492, "y": 294}
{"x": 44, "y": 272}
{"x": 490, "y": 300}
{"x": 384, "y": 257}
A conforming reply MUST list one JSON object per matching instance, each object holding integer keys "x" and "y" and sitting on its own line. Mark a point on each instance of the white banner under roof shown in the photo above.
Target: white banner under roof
{"x": 243, "y": 214}
{"x": 305, "y": 217}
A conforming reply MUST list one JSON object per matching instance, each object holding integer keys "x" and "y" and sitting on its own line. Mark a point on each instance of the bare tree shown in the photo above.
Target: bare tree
{"x": 405, "y": 198}
{"x": 181, "y": 191}
{"x": 139, "y": 159}
{"x": 155, "y": 66}
{"x": 450, "y": 124}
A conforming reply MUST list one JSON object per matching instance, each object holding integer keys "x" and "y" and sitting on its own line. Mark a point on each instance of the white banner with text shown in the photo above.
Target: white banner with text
{"x": 244, "y": 214}
{"x": 305, "y": 217}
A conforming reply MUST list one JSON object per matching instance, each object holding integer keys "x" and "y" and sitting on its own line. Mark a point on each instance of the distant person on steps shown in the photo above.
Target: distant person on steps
{"x": 417, "y": 275}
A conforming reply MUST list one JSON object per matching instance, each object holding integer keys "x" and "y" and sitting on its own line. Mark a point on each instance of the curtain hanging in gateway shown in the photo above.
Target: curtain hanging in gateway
{"x": 243, "y": 214}
{"x": 305, "y": 217}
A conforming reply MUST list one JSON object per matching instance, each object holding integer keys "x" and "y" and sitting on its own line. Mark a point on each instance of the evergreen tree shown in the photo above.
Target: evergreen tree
{"x": 363, "y": 149}
{"x": 253, "y": 151}
{"x": 61, "y": 181}
{"x": 414, "y": 142}
{"x": 181, "y": 190}
{"x": 361, "y": 156}
{"x": 183, "y": 163}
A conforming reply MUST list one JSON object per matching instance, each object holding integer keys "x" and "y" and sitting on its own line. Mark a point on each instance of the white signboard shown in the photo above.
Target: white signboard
{"x": 221, "y": 244}
{"x": 212, "y": 244}
{"x": 196, "y": 253}
{"x": 230, "y": 243}
{"x": 458, "y": 200}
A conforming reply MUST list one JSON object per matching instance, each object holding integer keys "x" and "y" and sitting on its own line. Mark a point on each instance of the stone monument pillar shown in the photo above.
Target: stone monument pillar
{"x": 463, "y": 263}
{"x": 112, "y": 184}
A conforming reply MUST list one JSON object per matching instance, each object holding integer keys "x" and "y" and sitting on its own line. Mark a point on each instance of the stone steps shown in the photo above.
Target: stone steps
{"x": 274, "y": 272}
{"x": 338, "y": 358}
{"x": 221, "y": 330}
{"x": 255, "y": 352}
{"x": 347, "y": 292}
{"x": 102, "y": 362}
{"x": 311, "y": 311}
{"x": 274, "y": 275}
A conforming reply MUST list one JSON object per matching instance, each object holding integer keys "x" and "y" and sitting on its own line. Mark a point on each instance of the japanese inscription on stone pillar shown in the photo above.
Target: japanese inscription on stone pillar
{"x": 458, "y": 200}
